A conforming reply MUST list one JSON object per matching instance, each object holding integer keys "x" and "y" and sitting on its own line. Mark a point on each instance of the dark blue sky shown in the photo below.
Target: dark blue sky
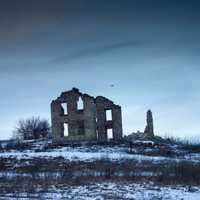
{"x": 148, "y": 49}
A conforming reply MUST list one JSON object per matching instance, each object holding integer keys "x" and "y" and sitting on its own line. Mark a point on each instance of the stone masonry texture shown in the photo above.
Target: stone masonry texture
{"x": 87, "y": 124}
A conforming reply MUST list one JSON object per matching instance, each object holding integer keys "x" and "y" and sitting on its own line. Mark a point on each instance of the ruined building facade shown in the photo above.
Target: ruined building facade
{"x": 99, "y": 119}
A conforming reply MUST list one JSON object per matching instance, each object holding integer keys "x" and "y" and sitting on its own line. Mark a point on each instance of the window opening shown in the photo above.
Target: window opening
{"x": 80, "y": 104}
{"x": 64, "y": 106}
{"x": 110, "y": 134}
{"x": 66, "y": 130}
{"x": 108, "y": 115}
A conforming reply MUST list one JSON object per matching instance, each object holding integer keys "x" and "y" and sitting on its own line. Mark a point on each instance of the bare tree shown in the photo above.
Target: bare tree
{"x": 32, "y": 128}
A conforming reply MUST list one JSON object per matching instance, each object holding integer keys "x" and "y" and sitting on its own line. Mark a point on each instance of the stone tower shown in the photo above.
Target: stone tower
{"x": 149, "y": 130}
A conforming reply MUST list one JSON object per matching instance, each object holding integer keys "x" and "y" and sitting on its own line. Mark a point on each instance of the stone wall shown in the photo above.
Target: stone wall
{"x": 149, "y": 129}
{"x": 87, "y": 124}
{"x": 103, "y": 104}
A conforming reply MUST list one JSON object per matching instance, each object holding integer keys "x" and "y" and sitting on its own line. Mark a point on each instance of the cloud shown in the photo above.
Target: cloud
{"x": 98, "y": 50}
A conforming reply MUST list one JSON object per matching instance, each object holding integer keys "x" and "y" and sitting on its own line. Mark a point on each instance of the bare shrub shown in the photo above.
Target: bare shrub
{"x": 31, "y": 128}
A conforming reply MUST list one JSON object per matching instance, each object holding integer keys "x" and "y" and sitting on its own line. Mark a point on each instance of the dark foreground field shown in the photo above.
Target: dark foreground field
{"x": 43, "y": 171}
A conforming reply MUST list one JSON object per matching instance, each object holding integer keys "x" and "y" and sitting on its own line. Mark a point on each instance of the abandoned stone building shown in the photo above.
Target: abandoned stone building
{"x": 81, "y": 117}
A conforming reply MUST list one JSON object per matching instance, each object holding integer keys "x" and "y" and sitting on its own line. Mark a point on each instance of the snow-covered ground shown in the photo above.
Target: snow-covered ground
{"x": 79, "y": 156}
{"x": 109, "y": 191}
{"x": 51, "y": 164}
{"x": 92, "y": 154}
